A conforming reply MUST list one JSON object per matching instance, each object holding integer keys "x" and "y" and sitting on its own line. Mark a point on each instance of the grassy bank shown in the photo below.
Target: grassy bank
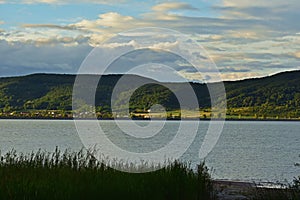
{"x": 79, "y": 176}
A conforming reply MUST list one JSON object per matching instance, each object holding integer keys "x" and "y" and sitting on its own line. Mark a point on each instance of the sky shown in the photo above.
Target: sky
{"x": 244, "y": 38}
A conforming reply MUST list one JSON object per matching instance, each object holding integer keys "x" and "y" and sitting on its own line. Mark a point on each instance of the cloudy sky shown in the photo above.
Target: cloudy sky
{"x": 245, "y": 38}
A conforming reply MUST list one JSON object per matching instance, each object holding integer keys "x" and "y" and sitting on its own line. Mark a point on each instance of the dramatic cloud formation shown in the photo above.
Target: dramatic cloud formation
{"x": 23, "y": 58}
{"x": 245, "y": 38}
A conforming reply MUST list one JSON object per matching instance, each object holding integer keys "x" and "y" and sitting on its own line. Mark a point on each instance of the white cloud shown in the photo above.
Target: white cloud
{"x": 217, "y": 77}
{"x": 107, "y": 25}
{"x": 51, "y": 26}
{"x": 240, "y": 75}
{"x": 163, "y": 11}
{"x": 246, "y": 34}
{"x": 44, "y": 35}
{"x": 165, "y": 45}
{"x": 258, "y": 3}
{"x": 280, "y": 14}
{"x": 172, "y": 6}
{"x": 132, "y": 44}
{"x": 105, "y": 21}
{"x": 296, "y": 54}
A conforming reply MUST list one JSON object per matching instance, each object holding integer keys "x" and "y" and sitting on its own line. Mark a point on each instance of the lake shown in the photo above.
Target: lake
{"x": 246, "y": 151}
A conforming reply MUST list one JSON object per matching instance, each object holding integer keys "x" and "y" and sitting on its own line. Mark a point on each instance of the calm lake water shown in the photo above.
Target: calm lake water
{"x": 246, "y": 151}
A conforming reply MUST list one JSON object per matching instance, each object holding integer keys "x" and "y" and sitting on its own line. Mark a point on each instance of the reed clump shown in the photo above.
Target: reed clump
{"x": 79, "y": 175}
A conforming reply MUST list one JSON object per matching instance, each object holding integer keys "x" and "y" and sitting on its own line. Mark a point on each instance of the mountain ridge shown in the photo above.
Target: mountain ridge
{"x": 276, "y": 96}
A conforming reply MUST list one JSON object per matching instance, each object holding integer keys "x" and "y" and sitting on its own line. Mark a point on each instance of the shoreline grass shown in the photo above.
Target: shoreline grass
{"x": 78, "y": 175}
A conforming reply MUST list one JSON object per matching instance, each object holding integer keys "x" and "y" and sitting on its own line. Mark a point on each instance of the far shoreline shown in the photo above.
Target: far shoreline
{"x": 147, "y": 119}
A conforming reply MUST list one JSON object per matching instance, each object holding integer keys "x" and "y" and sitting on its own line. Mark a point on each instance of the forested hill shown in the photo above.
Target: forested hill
{"x": 276, "y": 96}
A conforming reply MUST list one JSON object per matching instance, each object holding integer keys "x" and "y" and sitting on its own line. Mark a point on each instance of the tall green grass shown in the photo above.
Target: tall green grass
{"x": 78, "y": 175}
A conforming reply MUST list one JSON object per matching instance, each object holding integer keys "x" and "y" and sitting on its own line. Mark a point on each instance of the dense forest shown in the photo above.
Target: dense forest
{"x": 276, "y": 96}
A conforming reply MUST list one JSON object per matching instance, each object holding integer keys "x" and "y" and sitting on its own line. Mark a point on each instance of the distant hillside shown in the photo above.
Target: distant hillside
{"x": 276, "y": 96}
